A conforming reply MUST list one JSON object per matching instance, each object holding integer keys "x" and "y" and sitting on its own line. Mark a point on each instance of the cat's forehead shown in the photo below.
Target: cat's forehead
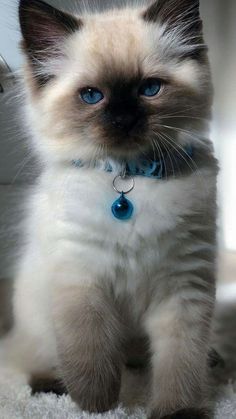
{"x": 107, "y": 42}
{"x": 118, "y": 46}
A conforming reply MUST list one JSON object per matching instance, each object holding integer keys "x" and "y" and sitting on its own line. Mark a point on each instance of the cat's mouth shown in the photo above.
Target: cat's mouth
{"x": 126, "y": 142}
{"x": 130, "y": 146}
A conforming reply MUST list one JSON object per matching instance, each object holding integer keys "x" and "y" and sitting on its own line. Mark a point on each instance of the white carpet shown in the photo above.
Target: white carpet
{"x": 16, "y": 401}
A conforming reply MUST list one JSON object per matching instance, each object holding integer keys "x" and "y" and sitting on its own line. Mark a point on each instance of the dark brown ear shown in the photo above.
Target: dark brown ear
{"x": 43, "y": 28}
{"x": 181, "y": 16}
{"x": 173, "y": 11}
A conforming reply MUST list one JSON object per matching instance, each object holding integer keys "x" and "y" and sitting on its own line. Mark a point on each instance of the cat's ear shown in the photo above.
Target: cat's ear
{"x": 174, "y": 14}
{"x": 43, "y": 28}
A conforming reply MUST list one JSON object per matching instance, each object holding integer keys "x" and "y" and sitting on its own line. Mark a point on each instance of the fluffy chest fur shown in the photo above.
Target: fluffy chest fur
{"x": 72, "y": 211}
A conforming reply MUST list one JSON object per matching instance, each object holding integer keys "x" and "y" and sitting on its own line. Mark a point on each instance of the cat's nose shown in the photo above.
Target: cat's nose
{"x": 124, "y": 122}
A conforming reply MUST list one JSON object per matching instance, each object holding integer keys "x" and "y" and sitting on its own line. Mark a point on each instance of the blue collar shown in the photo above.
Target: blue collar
{"x": 156, "y": 169}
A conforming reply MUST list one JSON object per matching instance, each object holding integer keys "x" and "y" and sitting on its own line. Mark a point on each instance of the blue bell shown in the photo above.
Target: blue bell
{"x": 122, "y": 208}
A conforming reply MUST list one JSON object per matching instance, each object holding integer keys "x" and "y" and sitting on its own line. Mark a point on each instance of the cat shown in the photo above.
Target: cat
{"x": 120, "y": 230}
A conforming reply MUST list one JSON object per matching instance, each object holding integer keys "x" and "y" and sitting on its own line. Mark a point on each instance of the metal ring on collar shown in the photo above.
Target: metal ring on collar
{"x": 123, "y": 178}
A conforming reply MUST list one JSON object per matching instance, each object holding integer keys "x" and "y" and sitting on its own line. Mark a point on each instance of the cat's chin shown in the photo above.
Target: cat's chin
{"x": 129, "y": 152}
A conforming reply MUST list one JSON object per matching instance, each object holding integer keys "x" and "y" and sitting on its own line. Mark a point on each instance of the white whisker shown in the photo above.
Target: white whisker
{"x": 25, "y": 161}
{"x": 162, "y": 157}
{"x": 185, "y": 157}
{"x": 169, "y": 154}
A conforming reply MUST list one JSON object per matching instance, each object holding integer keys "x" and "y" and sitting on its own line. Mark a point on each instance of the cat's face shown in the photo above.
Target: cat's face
{"x": 106, "y": 84}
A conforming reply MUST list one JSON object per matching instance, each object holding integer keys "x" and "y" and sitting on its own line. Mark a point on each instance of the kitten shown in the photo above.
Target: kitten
{"x": 105, "y": 92}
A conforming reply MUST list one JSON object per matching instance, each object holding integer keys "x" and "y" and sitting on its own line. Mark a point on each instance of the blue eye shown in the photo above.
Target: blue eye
{"x": 91, "y": 95}
{"x": 150, "y": 87}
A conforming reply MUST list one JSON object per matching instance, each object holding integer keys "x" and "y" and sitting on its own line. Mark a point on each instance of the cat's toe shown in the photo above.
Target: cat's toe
{"x": 189, "y": 414}
{"x": 43, "y": 384}
{"x": 184, "y": 414}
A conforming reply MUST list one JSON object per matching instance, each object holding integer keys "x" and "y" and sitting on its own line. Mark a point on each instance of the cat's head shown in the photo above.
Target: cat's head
{"x": 116, "y": 83}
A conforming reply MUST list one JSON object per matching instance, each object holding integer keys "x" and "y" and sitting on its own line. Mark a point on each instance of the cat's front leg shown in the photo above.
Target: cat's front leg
{"x": 179, "y": 332}
{"x": 89, "y": 338}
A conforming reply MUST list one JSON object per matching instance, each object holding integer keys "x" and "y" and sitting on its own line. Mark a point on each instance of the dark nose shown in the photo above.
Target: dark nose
{"x": 124, "y": 122}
